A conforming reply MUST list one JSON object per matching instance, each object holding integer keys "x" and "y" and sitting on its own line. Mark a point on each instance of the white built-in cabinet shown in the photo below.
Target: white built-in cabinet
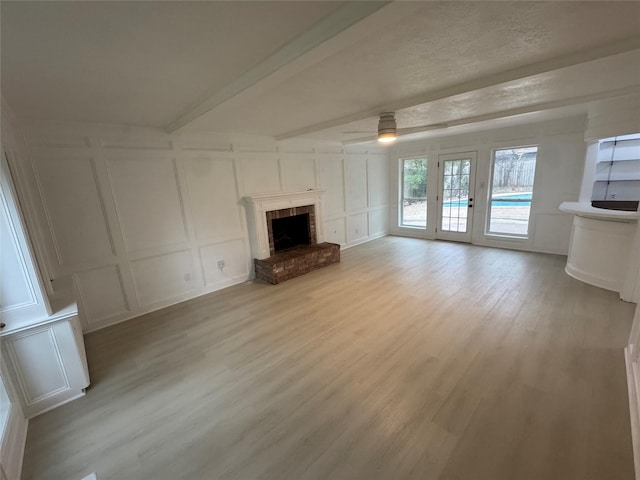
{"x": 42, "y": 347}
{"x": 47, "y": 363}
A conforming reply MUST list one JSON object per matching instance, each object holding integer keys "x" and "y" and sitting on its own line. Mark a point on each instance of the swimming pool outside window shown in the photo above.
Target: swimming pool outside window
{"x": 513, "y": 174}
{"x": 413, "y": 192}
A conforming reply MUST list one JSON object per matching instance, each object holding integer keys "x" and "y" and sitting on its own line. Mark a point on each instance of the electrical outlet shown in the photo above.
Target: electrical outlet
{"x": 187, "y": 277}
{"x": 220, "y": 264}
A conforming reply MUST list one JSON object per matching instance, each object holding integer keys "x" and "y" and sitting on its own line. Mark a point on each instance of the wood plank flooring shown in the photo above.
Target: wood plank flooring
{"x": 411, "y": 359}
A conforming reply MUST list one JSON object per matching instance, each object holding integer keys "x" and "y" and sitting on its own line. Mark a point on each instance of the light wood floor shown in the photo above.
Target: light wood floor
{"x": 410, "y": 359}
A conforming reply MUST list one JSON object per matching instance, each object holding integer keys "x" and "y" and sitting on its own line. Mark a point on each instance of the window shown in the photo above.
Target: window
{"x": 413, "y": 201}
{"x": 511, "y": 191}
{"x": 617, "y": 176}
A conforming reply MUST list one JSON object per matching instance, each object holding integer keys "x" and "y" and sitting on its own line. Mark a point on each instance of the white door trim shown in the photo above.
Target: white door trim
{"x": 442, "y": 234}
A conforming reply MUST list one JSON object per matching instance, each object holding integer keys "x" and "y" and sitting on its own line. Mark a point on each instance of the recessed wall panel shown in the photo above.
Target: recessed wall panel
{"x": 378, "y": 221}
{"x": 260, "y": 174}
{"x": 299, "y": 174}
{"x": 101, "y": 293}
{"x": 148, "y": 203}
{"x": 213, "y": 196}
{"x": 125, "y": 141}
{"x": 358, "y": 228}
{"x": 335, "y": 231}
{"x": 234, "y": 256}
{"x": 356, "y": 183}
{"x": 74, "y": 209}
{"x": 332, "y": 181}
{"x": 378, "y": 181}
{"x": 163, "y": 277}
{"x": 59, "y": 140}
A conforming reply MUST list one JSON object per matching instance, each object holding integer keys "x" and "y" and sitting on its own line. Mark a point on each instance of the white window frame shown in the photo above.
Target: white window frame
{"x": 487, "y": 229}
{"x": 401, "y": 162}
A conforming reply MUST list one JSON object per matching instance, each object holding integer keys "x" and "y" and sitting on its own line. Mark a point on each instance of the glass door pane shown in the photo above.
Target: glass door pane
{"x": 456, "y": 197}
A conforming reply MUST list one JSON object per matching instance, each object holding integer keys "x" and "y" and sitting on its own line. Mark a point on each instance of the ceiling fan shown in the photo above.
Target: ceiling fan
{"x": 388, "y": 130}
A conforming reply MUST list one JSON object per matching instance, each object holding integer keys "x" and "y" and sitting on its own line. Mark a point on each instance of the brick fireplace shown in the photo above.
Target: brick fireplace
{"x": 291, "y": 227}
{"x": 286, "y": 235}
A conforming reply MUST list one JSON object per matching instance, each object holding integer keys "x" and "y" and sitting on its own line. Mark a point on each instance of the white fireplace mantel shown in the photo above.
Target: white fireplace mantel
{"x": 259, "y": 205}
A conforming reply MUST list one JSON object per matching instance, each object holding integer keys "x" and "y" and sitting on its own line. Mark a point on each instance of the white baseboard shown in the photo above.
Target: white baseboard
{"x": 236, "y": 280}
{"x": 56, "y": 405}
{"x": 633, "y": 382}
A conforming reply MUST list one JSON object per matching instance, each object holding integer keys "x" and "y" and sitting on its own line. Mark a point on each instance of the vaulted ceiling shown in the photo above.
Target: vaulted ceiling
{"x": 321, "y": 70}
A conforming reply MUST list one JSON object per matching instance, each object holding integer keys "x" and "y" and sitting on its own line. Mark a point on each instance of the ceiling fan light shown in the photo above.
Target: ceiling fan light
{"x": 387, "y": 129}
{"x": 387, "y": 137}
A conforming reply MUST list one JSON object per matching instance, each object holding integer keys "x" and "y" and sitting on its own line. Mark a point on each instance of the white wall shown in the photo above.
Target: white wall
{"x": 589, "y": 175}
{"x": 559, "y": 167}
{"x": 613, "y": 117}
{"x": 138, "y": 219}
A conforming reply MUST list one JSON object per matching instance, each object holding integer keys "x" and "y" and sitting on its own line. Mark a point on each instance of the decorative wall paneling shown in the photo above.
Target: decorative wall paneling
{"x": 559, "y": 166}
{"x": 153, "y": 221}
{"x": 101, "y": 293}
{"x": 357, "y": 183}
{"x": 139, "y": 219}
{"x": 68, "y": 185}
{"x": 336, "y": 230}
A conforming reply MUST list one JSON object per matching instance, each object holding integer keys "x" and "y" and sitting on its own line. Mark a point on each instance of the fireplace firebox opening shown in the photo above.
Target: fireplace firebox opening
{"x": 290, "y": 232}
{"x": 290, "y": 228}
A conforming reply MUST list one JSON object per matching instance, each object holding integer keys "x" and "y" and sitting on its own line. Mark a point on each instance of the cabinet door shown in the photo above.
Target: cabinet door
{"x": 47, "y": 364}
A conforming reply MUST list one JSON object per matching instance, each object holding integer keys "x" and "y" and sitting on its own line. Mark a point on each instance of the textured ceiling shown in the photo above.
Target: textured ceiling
{"x": 138, "y": 63}
{"x": 147, "y": 63}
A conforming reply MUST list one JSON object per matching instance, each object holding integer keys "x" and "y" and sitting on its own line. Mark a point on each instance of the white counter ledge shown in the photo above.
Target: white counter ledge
{"x": 584, "y": 209}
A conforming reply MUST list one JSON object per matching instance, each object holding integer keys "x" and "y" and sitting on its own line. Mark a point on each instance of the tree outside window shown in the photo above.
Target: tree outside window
{"x": 413, "y": 211}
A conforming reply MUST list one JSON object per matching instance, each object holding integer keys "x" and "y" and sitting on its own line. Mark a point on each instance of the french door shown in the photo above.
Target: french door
{"x": 456, "y": 181}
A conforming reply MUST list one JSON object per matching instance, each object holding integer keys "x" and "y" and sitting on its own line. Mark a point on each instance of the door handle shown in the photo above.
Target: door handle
{"x": 469, "y": 203}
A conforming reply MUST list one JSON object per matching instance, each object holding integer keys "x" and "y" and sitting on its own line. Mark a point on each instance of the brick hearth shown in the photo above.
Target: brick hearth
{"x": 293, "y": 263}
